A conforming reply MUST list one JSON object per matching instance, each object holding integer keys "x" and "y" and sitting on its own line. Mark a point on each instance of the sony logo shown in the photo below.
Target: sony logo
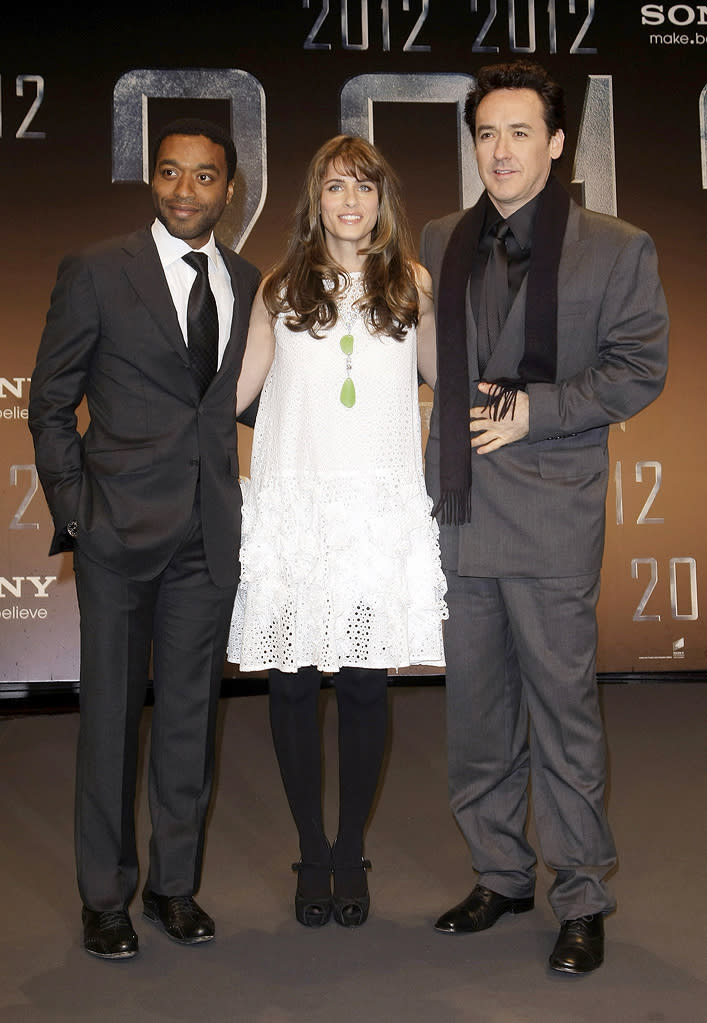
{"x": 15, "y": 586}
{"x": 10, "y": 389}
{"x": 676, "y": 14}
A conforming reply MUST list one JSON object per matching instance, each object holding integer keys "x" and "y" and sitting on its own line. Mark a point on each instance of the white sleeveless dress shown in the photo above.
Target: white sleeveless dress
{"x": 340, "y": 559}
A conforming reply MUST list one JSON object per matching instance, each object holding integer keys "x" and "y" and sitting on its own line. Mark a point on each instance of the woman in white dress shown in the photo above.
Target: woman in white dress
{"x": 340, "y": 555}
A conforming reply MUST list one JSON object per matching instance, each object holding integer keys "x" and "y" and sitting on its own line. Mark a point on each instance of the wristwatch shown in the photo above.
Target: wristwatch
{"x": 72, "y": 528}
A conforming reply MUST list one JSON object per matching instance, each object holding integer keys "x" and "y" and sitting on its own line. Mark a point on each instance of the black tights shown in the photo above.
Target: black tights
{"x": 362, "y": 700}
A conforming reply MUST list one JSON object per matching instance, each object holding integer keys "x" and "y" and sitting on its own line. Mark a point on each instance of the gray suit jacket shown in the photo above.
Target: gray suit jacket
{"x": 538, "y": 504}
{"x": 112, "y": 335}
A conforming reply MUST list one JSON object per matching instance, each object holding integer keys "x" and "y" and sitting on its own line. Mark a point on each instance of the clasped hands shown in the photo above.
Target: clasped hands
{"x": 489, "y": 434}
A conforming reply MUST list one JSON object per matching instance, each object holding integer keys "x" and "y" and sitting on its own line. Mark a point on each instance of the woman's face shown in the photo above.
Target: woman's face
{"x": 349, "y": 209}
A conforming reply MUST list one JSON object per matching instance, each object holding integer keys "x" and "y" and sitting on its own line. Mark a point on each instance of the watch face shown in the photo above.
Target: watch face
{"x": 72, "y": 528}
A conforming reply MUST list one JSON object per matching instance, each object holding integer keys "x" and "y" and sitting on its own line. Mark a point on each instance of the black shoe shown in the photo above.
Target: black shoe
{"x": 480, "y": 910}
{"x": 313, "y": 896}
{"x": 351, "y": 899}
{"x": 580, "y": 945}
{"x": 108, "y": 934}
{"x": 181, "y": 917}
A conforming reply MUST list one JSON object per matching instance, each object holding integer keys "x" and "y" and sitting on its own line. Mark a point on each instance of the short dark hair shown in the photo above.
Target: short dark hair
{"x": 197, "y": 126}
{"x": 521, "y": 74}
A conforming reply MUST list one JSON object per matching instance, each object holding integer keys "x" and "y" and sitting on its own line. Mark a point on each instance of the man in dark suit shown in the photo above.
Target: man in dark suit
{"x": 551, "y": 324}
{"x": 149, "y": 501}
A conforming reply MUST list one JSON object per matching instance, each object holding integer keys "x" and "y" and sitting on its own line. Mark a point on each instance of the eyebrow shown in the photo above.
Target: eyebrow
{"x": 516, "y": 124}
{"x": 342, "y": 177}
{"x": 167, "y": 161}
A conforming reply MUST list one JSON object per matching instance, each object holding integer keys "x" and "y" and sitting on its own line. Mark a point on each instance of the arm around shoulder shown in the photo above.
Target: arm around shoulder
{"x": 258, "y": 356}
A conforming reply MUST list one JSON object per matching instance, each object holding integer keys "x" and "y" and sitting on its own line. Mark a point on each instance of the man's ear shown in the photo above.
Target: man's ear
{"x": 557, "y": 143}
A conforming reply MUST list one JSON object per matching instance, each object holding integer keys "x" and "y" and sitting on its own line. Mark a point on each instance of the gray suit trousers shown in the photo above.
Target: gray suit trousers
{"x": 522, "y": 701}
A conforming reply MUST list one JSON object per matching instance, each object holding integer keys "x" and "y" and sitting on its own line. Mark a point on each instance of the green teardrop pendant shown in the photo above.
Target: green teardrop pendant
{"x": 347, "y": 343}
{"x": 348, "y": 393}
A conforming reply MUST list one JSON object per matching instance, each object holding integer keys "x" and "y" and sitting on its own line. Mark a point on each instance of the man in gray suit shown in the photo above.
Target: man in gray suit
{"x": 551, "y": 325}
{"x": 151, "y": 330}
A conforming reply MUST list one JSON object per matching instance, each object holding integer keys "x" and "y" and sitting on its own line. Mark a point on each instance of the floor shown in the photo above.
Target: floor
{"x": 266, "y": 968}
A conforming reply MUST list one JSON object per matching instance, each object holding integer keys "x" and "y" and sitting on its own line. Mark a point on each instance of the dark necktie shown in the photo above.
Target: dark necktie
{"x": 202, "y": 322}
{"x": 496, "y": 283}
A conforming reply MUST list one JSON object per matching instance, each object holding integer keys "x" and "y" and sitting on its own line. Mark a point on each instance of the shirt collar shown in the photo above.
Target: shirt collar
{"x": 171, "y": 249}
{"x": 521, "y": 222}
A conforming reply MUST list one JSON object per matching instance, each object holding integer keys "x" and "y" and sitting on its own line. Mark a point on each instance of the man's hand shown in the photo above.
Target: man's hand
{"x": 492, "y": 434}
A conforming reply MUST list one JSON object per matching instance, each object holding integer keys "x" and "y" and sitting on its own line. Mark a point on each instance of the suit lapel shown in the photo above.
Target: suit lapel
{"x": 574, "y": 252}
{"x": 506, "y": 356}
{"x": 145, "y": 273}
{"x": 240, "y": 302}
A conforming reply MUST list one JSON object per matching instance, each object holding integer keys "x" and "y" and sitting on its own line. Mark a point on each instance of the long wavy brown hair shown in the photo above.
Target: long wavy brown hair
{"x": 305, "y": 284}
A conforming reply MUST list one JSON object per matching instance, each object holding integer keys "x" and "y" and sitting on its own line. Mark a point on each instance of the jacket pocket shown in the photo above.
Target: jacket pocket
{"x": 120, "y": 461}
{"x": 573, "y": 463}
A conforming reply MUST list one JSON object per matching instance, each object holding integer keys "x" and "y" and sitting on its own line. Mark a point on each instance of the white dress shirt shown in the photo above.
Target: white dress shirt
{"x": 180, "y": 277}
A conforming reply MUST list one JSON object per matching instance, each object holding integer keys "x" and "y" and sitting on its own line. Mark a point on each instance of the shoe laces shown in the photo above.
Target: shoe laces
{"x": 112, "y": 918}
{"x": 578, "y": 926}
{"x": 184, "y": 904}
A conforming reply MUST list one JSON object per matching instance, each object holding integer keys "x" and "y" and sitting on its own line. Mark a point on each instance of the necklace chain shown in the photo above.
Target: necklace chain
{"x": 349, "y": 313}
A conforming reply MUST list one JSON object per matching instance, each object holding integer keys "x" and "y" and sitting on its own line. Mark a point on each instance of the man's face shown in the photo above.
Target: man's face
{"x": 513, "y": 149}
{"x": 190, "y": 187}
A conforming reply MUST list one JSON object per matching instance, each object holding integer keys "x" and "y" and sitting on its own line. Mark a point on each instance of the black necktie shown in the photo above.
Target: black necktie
{"x": 202, "y": 322}
{"x": 496, "y": 283}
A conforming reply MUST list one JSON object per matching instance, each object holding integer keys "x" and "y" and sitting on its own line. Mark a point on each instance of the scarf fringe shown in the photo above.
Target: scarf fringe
{"x": 454, "y": 507}
{"x": 501, "y": 401}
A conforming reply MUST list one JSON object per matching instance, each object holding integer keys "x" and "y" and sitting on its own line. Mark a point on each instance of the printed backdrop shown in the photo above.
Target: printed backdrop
{"x": 83, "y": 92}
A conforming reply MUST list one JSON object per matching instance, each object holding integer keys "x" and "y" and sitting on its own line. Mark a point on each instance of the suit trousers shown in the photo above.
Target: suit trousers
{"x": 522, "y": 702}
{"x": 184, "y": 617}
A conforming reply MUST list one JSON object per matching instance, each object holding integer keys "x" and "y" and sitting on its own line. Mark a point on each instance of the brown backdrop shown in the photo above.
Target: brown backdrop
{"x": 77, "y": 90}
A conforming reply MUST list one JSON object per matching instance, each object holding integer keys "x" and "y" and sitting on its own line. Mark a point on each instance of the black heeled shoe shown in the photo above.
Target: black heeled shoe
{"x": 351, "y": 898}
{"x": 312, "y": 902}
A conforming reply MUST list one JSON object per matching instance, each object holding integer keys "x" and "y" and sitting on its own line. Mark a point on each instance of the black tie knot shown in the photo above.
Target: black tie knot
{"x": 198, "y": 261}
{"x": 500, "y": 230}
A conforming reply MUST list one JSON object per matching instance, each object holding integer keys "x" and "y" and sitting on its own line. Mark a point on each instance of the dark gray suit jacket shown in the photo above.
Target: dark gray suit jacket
{"x": 538, "y": 504}
{"x": 112, "y": 335}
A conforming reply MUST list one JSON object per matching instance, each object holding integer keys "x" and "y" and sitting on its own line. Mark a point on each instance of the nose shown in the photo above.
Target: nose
{"x": 184, "y": 186}
{"x": 500, "y": 149}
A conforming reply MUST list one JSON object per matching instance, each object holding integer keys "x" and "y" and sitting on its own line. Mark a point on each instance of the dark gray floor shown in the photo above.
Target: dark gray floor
{"x": 266, "y": 968}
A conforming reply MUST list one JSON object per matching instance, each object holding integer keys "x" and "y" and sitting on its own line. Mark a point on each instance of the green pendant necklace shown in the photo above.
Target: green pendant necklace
{"x": 348, "y": 391}
{"x": 349, "y": 313}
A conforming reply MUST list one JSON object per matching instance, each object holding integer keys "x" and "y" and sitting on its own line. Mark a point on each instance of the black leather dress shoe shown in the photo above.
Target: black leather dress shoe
{"x": 580, "y": 945}
{"x": 180, "y": 916}
{"x": 480, "y": 910}
{"x": 108, "y": 934}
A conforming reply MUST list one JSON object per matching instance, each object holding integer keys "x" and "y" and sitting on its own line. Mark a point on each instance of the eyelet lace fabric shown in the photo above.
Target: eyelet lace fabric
{"x": 340, "y": 559}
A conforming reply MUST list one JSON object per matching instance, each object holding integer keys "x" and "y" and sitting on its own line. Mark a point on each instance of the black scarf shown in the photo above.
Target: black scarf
{"x": 539, "y": 362}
